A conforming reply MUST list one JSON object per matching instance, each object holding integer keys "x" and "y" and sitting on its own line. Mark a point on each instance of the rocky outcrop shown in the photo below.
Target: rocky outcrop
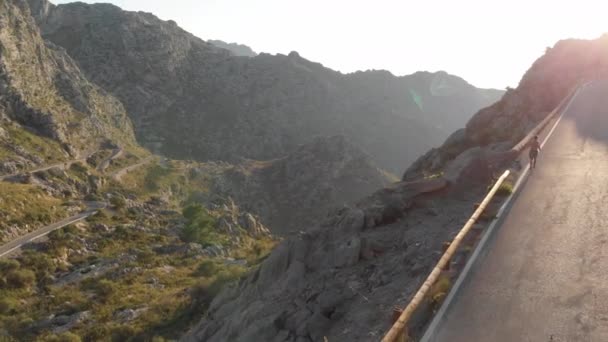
{"x": 189, "y": 99}
{"x": 335, "y": 280}
{"x": 232, "y": 220}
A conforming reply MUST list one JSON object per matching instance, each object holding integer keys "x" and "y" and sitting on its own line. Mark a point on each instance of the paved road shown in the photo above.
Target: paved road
{"x": 63, "y": 165}
{"x": 545, "y": 275}
{"x": 92, "y": 208}
{"x": 117, "y": 175}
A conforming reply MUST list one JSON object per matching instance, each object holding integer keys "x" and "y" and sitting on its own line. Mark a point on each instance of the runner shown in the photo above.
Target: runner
{"x": 534, "y": 149}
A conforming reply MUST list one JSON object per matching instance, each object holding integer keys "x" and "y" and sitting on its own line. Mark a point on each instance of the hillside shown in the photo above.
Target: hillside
{"x": 189, "y": 99}
{"x": 343, "y": 279}
{"x": 295, "y": 192}
{"x": 49, "y": 110}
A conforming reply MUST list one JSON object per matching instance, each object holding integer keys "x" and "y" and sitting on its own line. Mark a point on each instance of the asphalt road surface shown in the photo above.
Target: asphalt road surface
{"x": 545, "y": 274}
{"x": 92, "y": 208}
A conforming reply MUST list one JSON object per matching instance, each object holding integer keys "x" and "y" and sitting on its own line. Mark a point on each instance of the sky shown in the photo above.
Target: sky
{"x": 488, "y": 43}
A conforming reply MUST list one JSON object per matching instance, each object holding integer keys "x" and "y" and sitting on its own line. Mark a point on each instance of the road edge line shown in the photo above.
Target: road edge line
{"x": 431, "y": 330}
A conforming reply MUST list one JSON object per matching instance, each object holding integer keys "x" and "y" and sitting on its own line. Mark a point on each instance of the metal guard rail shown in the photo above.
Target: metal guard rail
{"x": 399, "y": 328}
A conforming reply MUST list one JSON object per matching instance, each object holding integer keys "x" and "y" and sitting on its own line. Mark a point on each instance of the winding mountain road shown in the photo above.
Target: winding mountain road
{"x": 117, "y": 175}
{"x": 62, "y": 165}
{"x": 92, "y": 208}
{"x": 544, "y": 276}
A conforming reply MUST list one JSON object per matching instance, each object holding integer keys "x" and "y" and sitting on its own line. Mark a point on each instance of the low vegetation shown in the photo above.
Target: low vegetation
{"x": 505, "y": 189}
{"x": 27, "y": 207}
{"x": 48, "y": 150}
{"x": 131, "y": 272}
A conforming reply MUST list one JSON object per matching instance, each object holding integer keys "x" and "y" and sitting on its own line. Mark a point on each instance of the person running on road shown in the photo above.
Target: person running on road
{"x": 534, "y": 149}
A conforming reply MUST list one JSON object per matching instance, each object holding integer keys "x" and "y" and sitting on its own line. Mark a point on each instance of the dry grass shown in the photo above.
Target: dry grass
{"x": 45, "y": 148}
{"x": 27, "y": 206}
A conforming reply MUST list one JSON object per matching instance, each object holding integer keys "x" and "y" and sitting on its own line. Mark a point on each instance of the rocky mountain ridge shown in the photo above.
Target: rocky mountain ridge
{"x": 189, "y": 99}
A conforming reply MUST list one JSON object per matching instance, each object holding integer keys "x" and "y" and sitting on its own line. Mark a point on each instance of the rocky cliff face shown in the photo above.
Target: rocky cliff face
{"x": 44, "y": 90}
{"x": 342, "y": 279}
{"x": 190, "y": 99}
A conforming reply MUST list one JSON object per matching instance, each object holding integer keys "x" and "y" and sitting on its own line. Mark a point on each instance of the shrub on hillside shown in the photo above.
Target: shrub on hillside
{"x": 8, "y": 305}
{"x": 7, "y": 265}
{"x": 19, "y": 279}
{"x": 200, "y": 227}
{"x": 505, "y": 189}
{"x": 103, "y": 288}
{"x": 203, "y": 293}
{"x": 64, "y": 337}
{"x": 78, "y": 168}
{"x": 207, "y": 268}
{"x": 39, "y": 262}
{"x": 118, "y": 202}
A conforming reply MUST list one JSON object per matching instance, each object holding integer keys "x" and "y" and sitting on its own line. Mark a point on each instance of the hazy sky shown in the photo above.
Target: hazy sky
{"x": 489, "y": 43}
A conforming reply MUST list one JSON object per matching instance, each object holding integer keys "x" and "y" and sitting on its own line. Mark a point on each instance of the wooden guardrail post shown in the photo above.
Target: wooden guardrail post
{"x": 398, "y": 331}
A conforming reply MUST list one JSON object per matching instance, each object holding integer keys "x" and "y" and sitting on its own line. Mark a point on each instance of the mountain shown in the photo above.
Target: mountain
{"x": 343, "y": 279}
{"x": 236, "y": 49}
{"x": 45, "y": 94}
{"x": 189, "y": 99}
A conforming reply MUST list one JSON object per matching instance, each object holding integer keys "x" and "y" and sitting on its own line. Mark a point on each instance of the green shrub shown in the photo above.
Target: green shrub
{"x": 207, "y": 268}
{"x": 57, "y": 235}
{"x": 100, "y": 216}
{"x": 153, "y": 177}
{"x": 39, "y": 262}
{"x": 64, "y": 337}
{"x": 7, "y": 265}
{"x": 97, "y": 332}
{"x": 8, "y": 305}
{"x": 71, "y": 229}
{"x": 118, "y": 202}
{"x": 146, "y": 256}
{"x": 92, "y": 197}
{"x": 200, "y": 227}
{"x": 123, "y": 333}
{"x": 78, "y": 168}
{"x": 105, "y": 288}
{"x": 204, "y": 292}
{"x": 505, "y": 189}
{"x": 22, "y": 278}
{"x": 439, "y": 290}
